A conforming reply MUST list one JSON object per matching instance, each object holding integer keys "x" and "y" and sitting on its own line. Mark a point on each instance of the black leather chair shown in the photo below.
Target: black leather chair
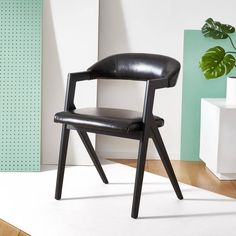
{"x": 159, "y": 72}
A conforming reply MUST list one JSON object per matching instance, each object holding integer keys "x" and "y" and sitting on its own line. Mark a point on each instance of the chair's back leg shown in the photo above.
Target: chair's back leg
{"x": 88, "y": 145}
{"x": 156, "y": 136}
{"x": 139, "y": 176}
{"x": 62, "y": 160}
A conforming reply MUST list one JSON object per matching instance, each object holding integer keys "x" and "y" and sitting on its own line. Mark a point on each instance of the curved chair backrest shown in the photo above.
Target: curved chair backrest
{"x": 137, "y": 66}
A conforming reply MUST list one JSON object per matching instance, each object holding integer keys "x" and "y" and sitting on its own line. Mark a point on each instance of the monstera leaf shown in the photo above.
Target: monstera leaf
{"x": 215, "y": 63}
{"x": 216, "y": 30}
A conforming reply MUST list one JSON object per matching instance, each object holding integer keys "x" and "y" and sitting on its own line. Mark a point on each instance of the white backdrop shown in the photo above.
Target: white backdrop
{"x": 154, "y": 27}
{"x": 70, "y": 37}
{"x": 70, "y": 44}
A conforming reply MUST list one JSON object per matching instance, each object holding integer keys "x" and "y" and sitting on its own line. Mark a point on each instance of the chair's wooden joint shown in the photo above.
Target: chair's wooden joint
{"x": 159, "y": 83}
{"x": 79, "y": 76}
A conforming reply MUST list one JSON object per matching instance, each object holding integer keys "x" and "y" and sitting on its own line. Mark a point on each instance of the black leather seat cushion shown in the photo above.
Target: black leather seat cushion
{"x": 109, "y": 119}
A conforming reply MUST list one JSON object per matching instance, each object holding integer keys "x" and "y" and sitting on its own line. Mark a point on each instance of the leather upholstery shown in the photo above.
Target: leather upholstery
{"x": 118, "y": 120}
{"x": 137, "y": 66}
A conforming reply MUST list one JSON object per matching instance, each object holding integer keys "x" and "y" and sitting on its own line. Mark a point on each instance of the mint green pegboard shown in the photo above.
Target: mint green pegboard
{"x": 195, "y": 87}
{"x": 20, "y": 84}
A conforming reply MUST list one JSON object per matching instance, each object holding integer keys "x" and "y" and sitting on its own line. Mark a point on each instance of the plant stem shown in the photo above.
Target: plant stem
{"x": 230, "y": 52}
{"x": 231, "y": 41}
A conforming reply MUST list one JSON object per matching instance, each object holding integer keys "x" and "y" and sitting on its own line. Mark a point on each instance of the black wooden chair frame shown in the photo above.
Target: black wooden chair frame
{"x": 149, "y": 131}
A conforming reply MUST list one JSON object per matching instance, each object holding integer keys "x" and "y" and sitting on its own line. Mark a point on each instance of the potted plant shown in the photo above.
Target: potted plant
{"x": 217, "y": 62}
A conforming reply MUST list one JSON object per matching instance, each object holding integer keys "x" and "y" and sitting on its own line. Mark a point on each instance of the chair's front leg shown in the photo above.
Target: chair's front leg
{"x": 62, "y": 160}
{"x": 139, "y": 176}
{"x": 166, "y": 161}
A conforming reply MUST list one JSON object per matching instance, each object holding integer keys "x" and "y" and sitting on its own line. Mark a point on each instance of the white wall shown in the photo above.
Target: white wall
{"x": 70, "y": 44}
{"x": 154, "y": 27}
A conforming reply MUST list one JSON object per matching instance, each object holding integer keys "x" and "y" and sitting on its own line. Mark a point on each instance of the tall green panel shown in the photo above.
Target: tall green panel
{"x": 195, "y": 87}
{"x": 20, "y": 84}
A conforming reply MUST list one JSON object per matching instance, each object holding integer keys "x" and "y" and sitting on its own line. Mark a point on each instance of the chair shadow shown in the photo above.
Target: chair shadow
{"x": 123, "y": 183}
{"x": 113, "y": 195}
{"x": 210, "y": 200}
{"x": 214, "y": 214}
{"x": 123, "y": 195}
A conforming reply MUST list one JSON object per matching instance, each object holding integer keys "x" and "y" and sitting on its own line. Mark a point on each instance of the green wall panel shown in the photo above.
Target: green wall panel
{"x": 20, "y": 84}
{"x": 195, "y": 87}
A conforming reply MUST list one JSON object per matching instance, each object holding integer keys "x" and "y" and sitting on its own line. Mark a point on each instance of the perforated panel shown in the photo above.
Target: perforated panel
{"x": 20, "y": 84}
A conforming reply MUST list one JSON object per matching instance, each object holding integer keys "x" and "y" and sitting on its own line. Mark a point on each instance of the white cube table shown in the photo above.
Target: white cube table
{"x": 218, "y": 137}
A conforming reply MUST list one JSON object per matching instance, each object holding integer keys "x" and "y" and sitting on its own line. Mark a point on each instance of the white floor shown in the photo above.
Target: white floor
{"x": 91, "y": 208}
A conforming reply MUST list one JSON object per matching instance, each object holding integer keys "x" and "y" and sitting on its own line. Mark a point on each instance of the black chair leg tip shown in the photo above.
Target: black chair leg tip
{"x": 58, "y": 197}
{"x": 134, "y": 216}
{"x": 105, "y": 180}
{"x": 179, "y": 195}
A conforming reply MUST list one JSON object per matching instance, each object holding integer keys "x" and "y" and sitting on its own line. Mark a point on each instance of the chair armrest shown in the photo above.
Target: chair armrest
{"x": 79, "y": 76}
{"x": 151, "y": 86}
{"x": 71, "y": 85}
